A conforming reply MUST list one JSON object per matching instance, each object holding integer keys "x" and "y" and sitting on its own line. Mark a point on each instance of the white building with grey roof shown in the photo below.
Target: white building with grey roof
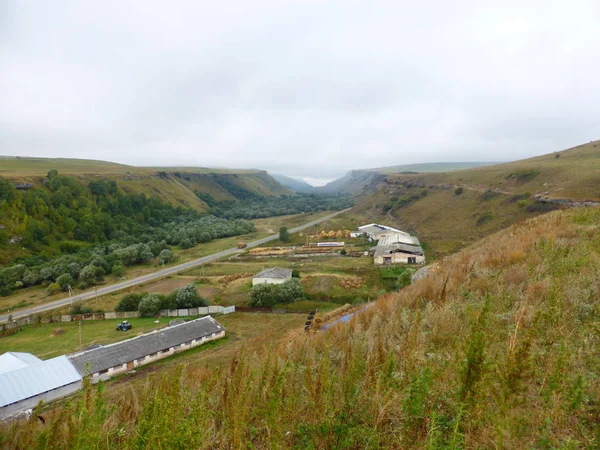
{"x": 275, "y": 275}
{"x": 393, "y": 246}
{"x": 107, "y": 361}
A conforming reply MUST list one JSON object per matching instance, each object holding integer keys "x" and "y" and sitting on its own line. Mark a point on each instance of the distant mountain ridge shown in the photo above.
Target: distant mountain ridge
{"x": 294, "y": 184}
{"x": 355, "y": 180}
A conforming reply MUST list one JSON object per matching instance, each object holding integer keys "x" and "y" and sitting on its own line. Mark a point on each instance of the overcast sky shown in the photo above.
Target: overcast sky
{"x": 306, "y": 88}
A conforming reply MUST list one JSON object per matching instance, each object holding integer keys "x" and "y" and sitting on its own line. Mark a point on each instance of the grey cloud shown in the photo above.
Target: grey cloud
{"x": 311, "y": 89}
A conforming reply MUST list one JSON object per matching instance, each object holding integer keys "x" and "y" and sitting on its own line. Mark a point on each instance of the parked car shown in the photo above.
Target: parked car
{"x": 124, "y": 326}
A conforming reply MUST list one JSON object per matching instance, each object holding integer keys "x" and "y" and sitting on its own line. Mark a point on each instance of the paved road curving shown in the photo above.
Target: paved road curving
{"x": 155, "y": 275}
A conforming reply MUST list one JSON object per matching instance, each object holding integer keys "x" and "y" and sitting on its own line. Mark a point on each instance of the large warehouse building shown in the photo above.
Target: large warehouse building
{"x": 26, "y": 380}
{"x": 110, "y": 360}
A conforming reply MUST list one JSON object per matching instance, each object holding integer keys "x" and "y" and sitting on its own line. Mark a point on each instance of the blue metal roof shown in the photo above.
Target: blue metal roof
{"x": 10, "y": 361}
{"x": 35, "y": 379}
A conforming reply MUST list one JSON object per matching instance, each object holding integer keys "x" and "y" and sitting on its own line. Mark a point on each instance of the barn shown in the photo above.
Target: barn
{"x": 275, "y": 275}
{"x": 110, "y": 360}
{"x": 376, "y": 231}
{"x": 397, "y": 249}
{"x": 25, "y": 380}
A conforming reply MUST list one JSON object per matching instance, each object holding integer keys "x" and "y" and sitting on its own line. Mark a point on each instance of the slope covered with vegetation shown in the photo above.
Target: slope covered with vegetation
{"x": 498, "y": 348}
{"x": 65, "y": 233}
{"x": 174, "y": 185}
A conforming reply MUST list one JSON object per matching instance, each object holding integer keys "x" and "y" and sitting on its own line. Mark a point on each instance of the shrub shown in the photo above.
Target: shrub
{"x": 188, "y": 297}
{"x": 343, "y": 252}
{"x": 263, "y": 295}
{"x": 91, "y": 274}
{"x": 284, "y": 235}
{"x": 517, "y": 197}
{"x": 488, "y": 195}
{"x": 166, "y": 256}
{"x": 130, "y": 302}
{"x": 523, "y": 175}
{"x": 186, "y": 243}
{"x": 118, "y": 270}
{"x": 458, "y": 191}
{"x": 69, "y": 247}
{"x": 53, "y": 289}
{"x": 78, "y": 308}
{"x": 64, "y": 281}
{"x": 150, "y": 305}
{"x": 484, "y": 218}
{"x": 289, "y": 291}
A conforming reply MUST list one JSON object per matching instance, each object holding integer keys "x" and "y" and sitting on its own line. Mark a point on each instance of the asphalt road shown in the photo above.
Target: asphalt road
{"x": 155, "y": 275}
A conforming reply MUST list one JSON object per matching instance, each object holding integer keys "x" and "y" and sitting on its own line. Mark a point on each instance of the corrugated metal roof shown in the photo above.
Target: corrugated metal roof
{"x": 139, "y": 347}
{"x": 396, "y": 243}
{"x": 275, "y": 272}
{"x": 36, "y": 379}
{"x": 375, "y": 229}
{"x": 10, "y": 361}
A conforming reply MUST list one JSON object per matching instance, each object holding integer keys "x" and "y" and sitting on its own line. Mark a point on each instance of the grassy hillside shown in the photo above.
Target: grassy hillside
{"x": 496, "y": 349}
{"x": 451, "y": 210}
{"x": 433, "y": 167}
{"x": 176, "y": 185}
{"x": 572, "y": 173}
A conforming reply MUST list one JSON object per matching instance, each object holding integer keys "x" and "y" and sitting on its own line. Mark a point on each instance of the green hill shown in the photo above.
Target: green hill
{"x": 176, "y": 185}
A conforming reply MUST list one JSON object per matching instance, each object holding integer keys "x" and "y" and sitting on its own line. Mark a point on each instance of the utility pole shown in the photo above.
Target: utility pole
{"x": 70, "y": 293}
{"x": 80, "y": 334}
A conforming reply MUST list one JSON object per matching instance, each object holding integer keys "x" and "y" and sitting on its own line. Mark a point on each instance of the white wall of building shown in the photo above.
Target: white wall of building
{"x": 398, "y": 258}
{"x": 256, "y": 281}
{"x": 114, "y": 371}
{"x": 46, "y": 397}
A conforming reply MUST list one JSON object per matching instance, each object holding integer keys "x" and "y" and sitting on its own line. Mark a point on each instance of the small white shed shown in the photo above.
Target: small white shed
{"x": 276, "y": 275}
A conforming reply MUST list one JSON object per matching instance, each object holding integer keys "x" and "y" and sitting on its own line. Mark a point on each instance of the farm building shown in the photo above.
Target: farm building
{"x": 25, "y": 380}
{"x": 395, "y": 250}
{"x": 276, "y": 275}
{"x": 376, "y": 231}
{"x": 110, "y": 360}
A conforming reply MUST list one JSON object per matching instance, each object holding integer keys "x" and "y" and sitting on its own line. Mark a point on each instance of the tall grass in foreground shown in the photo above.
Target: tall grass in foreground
{"x": 500, "y": 348}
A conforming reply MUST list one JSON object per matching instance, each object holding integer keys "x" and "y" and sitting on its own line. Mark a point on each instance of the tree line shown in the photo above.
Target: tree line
{"x": 261, "y": 207}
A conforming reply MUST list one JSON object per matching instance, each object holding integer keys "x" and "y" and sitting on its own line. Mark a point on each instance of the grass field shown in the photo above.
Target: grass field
{"x": 41, "y": 340}
{"x": 43, "y": 343}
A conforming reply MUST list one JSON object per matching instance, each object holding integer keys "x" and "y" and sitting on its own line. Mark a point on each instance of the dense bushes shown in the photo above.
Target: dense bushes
{"x": 266, "y": 295}
{"x": 254, "y": 208}
{"x": 149, "y": 304}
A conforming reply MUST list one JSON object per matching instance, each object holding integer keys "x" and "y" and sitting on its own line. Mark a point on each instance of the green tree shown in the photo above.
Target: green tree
{"x": 130, "y": 302}
{"x": 150, "y": 305}
{"x": 284, "y": 235}
{"x": 290, "y": 291}
{"x": 166, "y": 256}
{"x": 263, "y": 295}
{"x": 188, "y": 297}
{"x": 64, "y": 281}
